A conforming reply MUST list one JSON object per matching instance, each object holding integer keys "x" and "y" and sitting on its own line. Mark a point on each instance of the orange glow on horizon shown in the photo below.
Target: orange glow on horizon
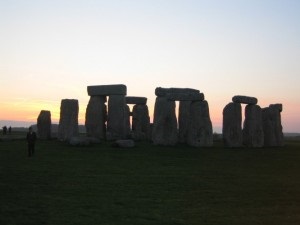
{"x": 28, "y": 110}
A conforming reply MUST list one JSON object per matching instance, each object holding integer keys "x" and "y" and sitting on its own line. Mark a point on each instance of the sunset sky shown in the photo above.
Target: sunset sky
{"x": 52, "y": 50}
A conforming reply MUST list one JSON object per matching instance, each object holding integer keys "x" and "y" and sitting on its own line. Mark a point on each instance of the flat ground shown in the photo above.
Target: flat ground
{"x": 64, "y": 185}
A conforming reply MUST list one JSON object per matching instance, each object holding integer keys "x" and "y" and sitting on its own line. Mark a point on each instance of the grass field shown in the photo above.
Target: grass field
{"x": 64, "y": 185}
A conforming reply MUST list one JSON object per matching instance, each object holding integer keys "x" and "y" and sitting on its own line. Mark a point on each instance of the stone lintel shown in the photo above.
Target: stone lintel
{"x": 136, "y": 100}
{"x": 161, "y": 92}
{"x": 185, "y": 96}
{"x": 244, "y": 99}
{"x": 106, "y": 90}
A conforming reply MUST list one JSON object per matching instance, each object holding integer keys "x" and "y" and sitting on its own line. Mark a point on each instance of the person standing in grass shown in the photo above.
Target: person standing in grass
{"x": 31, "y": 138}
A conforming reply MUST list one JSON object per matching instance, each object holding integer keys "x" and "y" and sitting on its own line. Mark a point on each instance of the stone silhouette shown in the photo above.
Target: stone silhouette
{"x": 44, "y": 125}
{"x": 253, "y": 133}
{"x": 200, "y": 127}
{"x": 232, "y": 122}
{"x": 95, "y": 117}
{"x": 68, "y": 122}
{"x": 192, "y": 107}
{"x": 164, "y": 131}
{"x": 140, "y": 118}
{"x": 117, "y": 113}
{"x": 273, "y": 135}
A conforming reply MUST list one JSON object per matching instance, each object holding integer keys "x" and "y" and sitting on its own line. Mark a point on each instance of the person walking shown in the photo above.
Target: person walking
{"x": 31, "y": 138}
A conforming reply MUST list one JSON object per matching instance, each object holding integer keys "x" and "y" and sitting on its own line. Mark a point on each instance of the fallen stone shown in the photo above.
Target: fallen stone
{"x": 244, "y": 99}
{"x": 106, "y": 90}
{"x": 124, "y": 143}
{"x": 83, "y": 141}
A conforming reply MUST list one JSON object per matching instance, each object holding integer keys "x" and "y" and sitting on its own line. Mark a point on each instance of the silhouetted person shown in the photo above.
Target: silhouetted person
{"x": 31, "y": 138}
{"x": 4, "y": 129}
{"x": 9, "y": 130}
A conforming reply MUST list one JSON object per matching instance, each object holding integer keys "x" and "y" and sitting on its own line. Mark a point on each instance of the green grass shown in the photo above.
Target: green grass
{"x": 148, "y": 184}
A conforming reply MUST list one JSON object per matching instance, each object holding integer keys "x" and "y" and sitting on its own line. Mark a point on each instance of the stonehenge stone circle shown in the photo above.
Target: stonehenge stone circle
{"x": 95, "y": 117}
{"x": 273, "y": 135}
{"x": 253, "y": 133}
{"x": 68, "y": 122}
{"x": 200, "y": 128}
{"x": 232, "y": 121}
{"x": 44, "y": 125}
{"x": 244, "y": 99}
{"x": 164, "y": 131}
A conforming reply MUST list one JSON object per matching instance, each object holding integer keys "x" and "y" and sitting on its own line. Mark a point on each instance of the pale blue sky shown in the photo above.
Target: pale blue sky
{"x": 51, "y": 50}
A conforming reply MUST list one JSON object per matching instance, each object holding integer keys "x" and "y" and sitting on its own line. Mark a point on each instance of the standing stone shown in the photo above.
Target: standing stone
{"x": 200, "y": 130}
{"x": 253, "y": 134}
{"x": 232, "y": 129}
{"x": 95, "y": 117}
{"x": 44, "y": 125}
{"x": 140, "y": 122}
{"x": 127, "y": 121}
{"x": 117, "y": 117}
{"x": 184, "y": 120}
{"x": 68, "y": 122}
{"x": 272, "y": 126}
{"x": 164, "y": 131}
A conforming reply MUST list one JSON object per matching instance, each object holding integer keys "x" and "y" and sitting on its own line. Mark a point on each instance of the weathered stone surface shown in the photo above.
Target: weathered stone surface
{"x": 106, "y": 90}
{"x": 44, "y": 125}
{"x": 140, "y": 122}
{"x": 179, "y": 94}
{"x": 244, "y": 99}
{"x": 68, "y": 122}
{"x": 95, "y": 117}
{"x": 185, "y": 96}
{"x": 162, "y": 92}
{"x": 200, "y": 128}
{"x": 117, "y": 118}
{"x": 232, "y": 125}
{"x": 253, "y": 134}
{"x": 184, "y": 120}
{"x": 128, "y": 143}
{"x": 164, "y": 131}
{"x": 136, "y": 100}
{"x": 277, "y": 106}
{"x": 273, "y": 135}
